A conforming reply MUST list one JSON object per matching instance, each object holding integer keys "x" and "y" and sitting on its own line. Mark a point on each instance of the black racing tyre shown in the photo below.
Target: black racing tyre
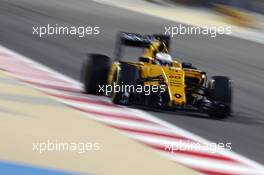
{"x": 126, "y": 75}
{"x": 220, "y": 92}
{"x": 94, "y": 73}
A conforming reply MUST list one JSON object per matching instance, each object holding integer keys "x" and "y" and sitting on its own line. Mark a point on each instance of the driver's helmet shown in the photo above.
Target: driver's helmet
{"x": 163, "y": 58}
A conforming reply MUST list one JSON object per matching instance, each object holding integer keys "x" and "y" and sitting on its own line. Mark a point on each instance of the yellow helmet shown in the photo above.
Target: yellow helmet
{"x": 154, "y": 48}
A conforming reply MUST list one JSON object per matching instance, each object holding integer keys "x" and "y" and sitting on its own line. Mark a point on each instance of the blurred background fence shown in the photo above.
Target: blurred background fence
{"x": 250, "y": 5}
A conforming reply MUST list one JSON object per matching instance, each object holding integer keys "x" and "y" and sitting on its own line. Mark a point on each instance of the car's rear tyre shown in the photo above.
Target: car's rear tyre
{"x": 126, "y": 75}
{"x": 94, "y": 73}
{"x": 220, "y": 93}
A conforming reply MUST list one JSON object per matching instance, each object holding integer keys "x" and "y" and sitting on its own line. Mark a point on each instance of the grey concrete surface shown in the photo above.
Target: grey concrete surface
{"x": 242, "y": 60}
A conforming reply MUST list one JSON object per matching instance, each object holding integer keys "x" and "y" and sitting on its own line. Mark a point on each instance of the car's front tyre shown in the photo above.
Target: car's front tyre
{"x": 220, "y": 94}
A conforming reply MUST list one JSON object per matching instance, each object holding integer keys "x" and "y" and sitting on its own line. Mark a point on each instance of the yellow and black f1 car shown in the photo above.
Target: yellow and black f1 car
{"x": 155, "y": 79}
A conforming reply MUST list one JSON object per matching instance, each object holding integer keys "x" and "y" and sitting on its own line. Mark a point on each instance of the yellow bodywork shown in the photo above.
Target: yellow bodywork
{"x": 173, "y": 76}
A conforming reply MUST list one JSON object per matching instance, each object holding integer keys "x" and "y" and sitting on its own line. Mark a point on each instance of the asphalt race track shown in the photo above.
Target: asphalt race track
{"x": 241, "y": 60}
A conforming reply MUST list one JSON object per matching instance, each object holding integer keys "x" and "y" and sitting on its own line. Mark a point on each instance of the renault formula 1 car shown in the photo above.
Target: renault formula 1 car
{"x": 155, "y": 79}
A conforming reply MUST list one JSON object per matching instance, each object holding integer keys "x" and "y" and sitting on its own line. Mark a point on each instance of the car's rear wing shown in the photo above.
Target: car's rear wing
{"x": 137, "y": 40}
